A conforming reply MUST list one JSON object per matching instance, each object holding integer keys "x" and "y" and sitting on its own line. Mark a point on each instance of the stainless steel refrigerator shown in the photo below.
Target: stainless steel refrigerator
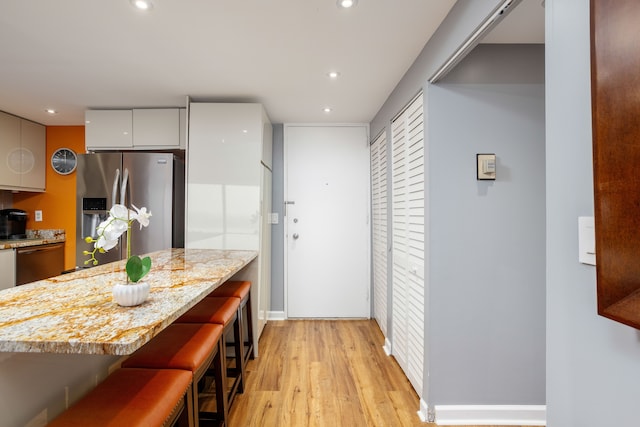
{"x": 151, "y": 180}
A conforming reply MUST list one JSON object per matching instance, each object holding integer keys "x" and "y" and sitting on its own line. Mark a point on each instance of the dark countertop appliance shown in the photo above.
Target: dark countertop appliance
{"x": 13, "y": 224}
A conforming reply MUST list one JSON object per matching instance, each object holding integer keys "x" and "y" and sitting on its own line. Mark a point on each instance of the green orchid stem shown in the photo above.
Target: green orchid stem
{"x": 128, "y": 242}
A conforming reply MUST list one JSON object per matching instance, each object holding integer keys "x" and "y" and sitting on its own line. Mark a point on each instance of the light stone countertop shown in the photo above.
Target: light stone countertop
{"x": 35, "y": 237}
{"x": 75, "y": 313}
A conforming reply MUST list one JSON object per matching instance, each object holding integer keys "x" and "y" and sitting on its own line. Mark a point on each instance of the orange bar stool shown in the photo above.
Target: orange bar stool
{"x": 134, "y": 398}
{"x": 190, "y": 347}
{"x": 223, "y": 311}
{"x": 240, "y": 289}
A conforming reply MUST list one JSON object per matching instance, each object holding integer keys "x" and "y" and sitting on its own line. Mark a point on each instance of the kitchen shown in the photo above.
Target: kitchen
{"x": 92, "y": 205}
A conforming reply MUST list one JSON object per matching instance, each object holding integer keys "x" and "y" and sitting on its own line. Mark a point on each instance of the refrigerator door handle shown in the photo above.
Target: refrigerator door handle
{"x": 114, "y": 191}
{"x": 125, "y": 183}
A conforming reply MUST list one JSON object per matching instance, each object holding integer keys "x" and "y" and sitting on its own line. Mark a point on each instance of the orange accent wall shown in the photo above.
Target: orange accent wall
{"x": 58, "y": 202}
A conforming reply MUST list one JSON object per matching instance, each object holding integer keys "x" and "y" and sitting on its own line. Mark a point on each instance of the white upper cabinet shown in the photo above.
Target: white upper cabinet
{"x": 9, "y": 150}
{"x": 33, "y": 138}
{"x": 23, "y": 151}
{"x": 138, "y": 128}
{"x": 226, "y": 147}
{"x": 108, "y": 129}
{"x": 156, "y": 128}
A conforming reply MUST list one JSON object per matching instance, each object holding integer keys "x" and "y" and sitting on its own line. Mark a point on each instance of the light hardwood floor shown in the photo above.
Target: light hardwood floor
{"x": 316, "y": 373}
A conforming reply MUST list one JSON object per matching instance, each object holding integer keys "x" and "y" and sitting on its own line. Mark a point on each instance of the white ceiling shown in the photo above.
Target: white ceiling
{"x": 71, "y": 55}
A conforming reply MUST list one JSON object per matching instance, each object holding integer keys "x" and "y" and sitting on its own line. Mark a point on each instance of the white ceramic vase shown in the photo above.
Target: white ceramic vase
{"x": 132, "y": 294}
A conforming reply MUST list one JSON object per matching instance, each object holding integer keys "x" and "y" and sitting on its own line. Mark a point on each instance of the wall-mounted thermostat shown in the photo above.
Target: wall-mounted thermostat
{"x": 486, "y": 166}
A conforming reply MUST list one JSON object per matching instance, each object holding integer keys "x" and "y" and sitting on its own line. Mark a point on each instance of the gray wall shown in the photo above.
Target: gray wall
{"x": 463, "y": 19}
{"x": 593, "y": 364}
{"x": 480, "y": 210}
{"x": 487, "y": 276}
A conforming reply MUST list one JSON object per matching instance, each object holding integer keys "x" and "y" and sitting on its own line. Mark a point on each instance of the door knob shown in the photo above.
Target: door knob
{"x": 295, "y": 236}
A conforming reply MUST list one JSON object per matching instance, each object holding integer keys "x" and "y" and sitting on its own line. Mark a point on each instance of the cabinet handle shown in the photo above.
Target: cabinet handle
{"x": 42, "y": 249}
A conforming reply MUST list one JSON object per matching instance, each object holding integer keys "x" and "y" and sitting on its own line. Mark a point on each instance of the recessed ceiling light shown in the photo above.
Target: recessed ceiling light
{"x": 142, "y": 4}
{"x": 327, "y": 110}
{"x": 51, "y": 111}
{"x": 347, "y": 3}
{"x": 333, "y": 74}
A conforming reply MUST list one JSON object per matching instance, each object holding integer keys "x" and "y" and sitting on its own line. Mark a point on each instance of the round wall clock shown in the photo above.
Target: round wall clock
{"x": 64, "y": 161}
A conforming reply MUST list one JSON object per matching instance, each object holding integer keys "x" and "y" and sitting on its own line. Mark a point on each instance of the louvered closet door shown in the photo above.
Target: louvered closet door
{"x": 379, "y": 240}
{"x": 399, "y": 243}
{"x": 408, "y": 198}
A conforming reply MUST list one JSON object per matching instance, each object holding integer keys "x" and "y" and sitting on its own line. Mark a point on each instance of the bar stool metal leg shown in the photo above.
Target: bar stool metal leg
{"x": 240, "y": 289}
{"x": 223, "y": 311}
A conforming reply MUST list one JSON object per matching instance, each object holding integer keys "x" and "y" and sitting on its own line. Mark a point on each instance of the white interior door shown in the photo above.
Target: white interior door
{"x": 327, "y": 221}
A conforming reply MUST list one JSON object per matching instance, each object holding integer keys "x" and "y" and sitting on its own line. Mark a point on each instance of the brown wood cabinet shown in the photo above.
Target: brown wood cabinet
{"x": 615, "y": 78}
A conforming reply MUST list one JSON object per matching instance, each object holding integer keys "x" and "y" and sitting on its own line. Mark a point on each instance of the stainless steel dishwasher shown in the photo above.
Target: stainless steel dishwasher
{"x": 39, "y": 262}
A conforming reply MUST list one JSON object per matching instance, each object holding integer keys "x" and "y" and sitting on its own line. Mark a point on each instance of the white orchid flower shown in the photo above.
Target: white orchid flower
{"x": 110, "y": 230}
{"x": 105, "y": 244}
{"x": 120, "y": 212}
{"x": 142, "y": 216}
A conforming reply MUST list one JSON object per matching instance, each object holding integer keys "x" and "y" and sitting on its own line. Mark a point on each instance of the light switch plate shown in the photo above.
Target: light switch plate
{"x": 486, "y": 166}
{"x": 586, "y": 240}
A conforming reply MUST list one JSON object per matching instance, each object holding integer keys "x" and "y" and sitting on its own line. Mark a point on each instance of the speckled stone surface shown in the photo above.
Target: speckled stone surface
{"x": 75, "y": 313}
{"x": 49, "y": 234}
{"x": 35, "y": 237}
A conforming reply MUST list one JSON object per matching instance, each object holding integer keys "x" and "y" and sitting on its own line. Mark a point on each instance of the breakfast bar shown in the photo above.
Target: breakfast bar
{"x": 61, "y": 337}
{"x": 74, "y": 313}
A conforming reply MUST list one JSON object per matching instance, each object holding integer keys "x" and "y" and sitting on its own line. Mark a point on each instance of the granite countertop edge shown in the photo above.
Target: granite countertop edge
{"x": 34, "y": 238}
{"x": 75, "y": 313}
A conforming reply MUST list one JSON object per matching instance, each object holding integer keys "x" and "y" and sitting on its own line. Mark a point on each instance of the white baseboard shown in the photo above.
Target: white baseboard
{"x": 387, "y": 347}
{"x": 276, "y": 315}
{"x": 455, "y": 415}
{"x": 423, "y": 413}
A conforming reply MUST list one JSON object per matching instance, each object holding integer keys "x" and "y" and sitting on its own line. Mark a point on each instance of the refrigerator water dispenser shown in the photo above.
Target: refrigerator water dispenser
{"x": 94, "y": 211}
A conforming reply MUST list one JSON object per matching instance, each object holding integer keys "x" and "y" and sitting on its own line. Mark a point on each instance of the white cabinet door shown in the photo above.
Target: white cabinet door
{"x": 229, "y": 191}
{"x": 33, "y": 139}
{"x": 265, "y": 250}
{"x": 9, "y": 150}
{"x": 224, "y": 173}
{"x": 156, "y": 128}
{"x": 8, "y": 268}
{"x": 267, "y": 143}
{"x": 108, "y": 129}
{"x": 22, "y": 154}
